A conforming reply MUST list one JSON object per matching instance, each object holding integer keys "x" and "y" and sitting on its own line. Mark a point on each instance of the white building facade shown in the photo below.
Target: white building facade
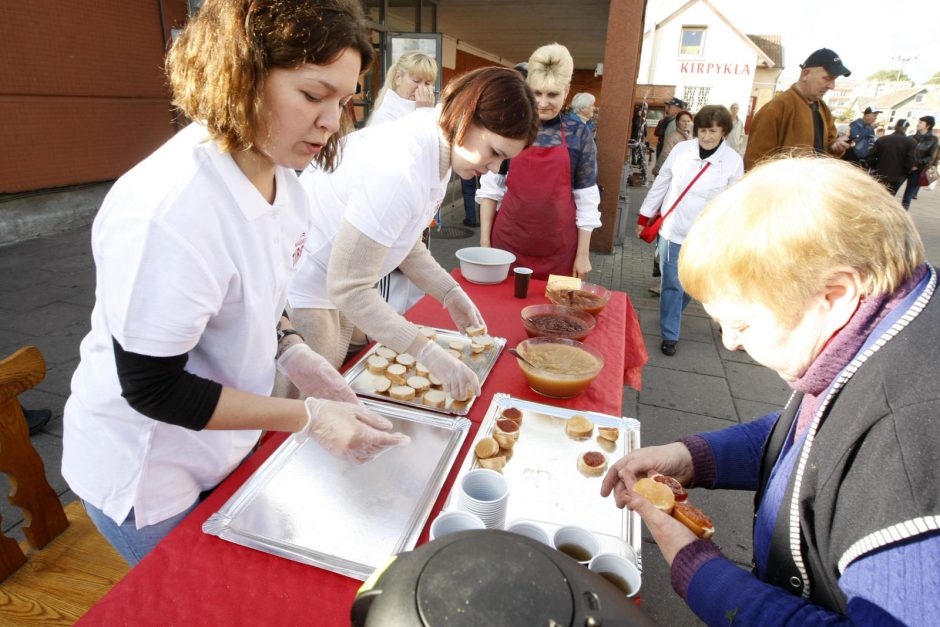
{"x": 709, "y": 60}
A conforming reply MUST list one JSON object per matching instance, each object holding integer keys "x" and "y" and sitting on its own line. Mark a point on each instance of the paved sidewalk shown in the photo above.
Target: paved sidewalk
{"x": 47, "y": 292}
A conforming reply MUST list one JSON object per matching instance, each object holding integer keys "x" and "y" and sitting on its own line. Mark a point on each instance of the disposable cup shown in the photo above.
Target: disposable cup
{"x": 576, "y": 542}
{"x": 522, "y": 281}
{"x": 619, "y": 571}
{"x": 485, "y": 493}
{"x": 530, "y": 530}
{"x": 452, "y": 522}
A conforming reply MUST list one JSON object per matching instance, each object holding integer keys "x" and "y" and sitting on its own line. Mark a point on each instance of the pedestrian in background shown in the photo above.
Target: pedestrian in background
{"x": 667, "y": 124}
{"x": 893, "y": 157}
{"x": 582, "y": 107}
{"x": 737, "y": 139}
{"x": 799, "y": 118}
{"x": 862, "y": 136}
{"x": 682, "y": 133}
{"x": 695, "y": 172}
{"x": 925, "y": 156}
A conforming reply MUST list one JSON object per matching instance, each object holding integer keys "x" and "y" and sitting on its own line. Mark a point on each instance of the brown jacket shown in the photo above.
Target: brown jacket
{"x": 786, "y": 122}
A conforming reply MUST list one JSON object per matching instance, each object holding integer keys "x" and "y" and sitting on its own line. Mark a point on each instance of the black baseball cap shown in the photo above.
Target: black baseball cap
{"x": 869, "y": 110}
{"x": 827, "y": 59}
{"x": 676, "y": 103}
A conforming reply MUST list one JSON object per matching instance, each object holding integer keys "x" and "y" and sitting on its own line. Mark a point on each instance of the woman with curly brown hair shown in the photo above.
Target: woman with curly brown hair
{"x": 194, "y": 248}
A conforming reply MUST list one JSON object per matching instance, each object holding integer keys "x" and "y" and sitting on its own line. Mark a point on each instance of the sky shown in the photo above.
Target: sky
{"x": 866, "y": 34}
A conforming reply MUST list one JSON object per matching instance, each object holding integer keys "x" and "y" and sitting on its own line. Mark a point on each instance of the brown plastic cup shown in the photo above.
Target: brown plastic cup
{"x": 522, "y": 281}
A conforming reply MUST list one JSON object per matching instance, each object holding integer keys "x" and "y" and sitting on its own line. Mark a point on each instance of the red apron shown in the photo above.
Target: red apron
{"x": 536, "y": 221}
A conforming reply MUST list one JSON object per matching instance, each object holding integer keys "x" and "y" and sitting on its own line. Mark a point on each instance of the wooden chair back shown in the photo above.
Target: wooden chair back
{"x": 65, "y": 565}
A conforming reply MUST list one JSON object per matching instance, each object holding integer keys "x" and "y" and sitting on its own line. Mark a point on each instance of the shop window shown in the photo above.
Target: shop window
{"x": 696, "y": 97}
{"x": 692, "y": 41}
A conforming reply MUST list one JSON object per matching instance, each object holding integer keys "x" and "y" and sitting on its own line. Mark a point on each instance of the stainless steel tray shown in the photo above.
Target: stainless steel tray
{"x": 309, "y": 506}
{"x": 545, "y": 485}
{"x": 362, "y": 381}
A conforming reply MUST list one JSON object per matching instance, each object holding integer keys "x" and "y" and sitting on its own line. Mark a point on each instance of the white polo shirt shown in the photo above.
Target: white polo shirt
{"x": 388, "y": 186}
{"x": 190, "y": 258}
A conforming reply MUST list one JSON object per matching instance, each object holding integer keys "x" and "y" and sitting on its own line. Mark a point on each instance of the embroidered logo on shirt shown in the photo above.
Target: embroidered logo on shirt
{"x": 299, "y": 247}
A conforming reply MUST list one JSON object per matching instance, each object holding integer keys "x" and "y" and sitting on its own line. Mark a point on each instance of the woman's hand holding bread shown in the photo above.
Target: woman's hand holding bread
{"x": 456, "y": 377}
{"x": 673, "y": 460}
{"x": 462, "y": 310}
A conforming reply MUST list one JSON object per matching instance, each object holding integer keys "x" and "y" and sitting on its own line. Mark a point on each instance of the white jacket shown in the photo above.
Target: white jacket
{"x": 677, "y": 172}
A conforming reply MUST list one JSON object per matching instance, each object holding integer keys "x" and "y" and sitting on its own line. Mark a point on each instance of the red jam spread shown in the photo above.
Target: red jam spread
{"x": 593, "y": 459}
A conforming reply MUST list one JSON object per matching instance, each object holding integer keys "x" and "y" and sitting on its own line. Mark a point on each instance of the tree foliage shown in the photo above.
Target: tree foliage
{"x": 935, "y": 79}
{"x": 889, "y": 75}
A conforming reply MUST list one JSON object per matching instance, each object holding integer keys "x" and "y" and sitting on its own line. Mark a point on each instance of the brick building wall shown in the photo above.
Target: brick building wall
{"x": 82, "y": 90}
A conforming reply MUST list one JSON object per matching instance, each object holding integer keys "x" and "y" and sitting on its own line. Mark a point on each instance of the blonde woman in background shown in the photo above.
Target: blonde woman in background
{"x": 548, "y": 198}
{"x": 409, "y": 85}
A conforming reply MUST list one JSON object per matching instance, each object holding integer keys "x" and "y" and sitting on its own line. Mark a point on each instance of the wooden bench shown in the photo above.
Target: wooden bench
{"x": 65, "y": 565}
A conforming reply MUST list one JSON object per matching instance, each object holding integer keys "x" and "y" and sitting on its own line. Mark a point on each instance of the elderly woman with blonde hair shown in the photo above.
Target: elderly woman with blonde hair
{"x": 812, "y": 268}
{"x": 409, "y": 84}
{"x": 547, "y": 197}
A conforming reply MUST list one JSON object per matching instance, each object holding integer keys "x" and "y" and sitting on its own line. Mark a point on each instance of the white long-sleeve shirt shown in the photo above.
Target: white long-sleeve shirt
{"x": 677, "y": 172}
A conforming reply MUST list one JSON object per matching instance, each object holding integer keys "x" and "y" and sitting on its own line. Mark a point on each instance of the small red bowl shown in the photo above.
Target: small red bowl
{"x": 557, "y": 321}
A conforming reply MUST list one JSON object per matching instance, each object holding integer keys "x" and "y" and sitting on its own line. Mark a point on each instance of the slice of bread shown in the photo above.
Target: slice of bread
{"x": 579, "y": 427}
{"x": 402, "y": 393}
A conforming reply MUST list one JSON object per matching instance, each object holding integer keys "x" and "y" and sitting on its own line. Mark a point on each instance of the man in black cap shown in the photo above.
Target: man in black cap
{"x": 673, "y": 106}
{"x": 862, "y": 135}
{"x": 798, "y": 118}
{"x": 893, "y": 157}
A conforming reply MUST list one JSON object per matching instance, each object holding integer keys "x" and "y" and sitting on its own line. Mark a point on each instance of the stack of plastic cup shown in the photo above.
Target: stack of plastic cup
{"x": 484, "y": 493}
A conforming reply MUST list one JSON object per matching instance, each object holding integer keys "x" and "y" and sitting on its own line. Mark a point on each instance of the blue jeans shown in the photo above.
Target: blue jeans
{"x": 910, "y": 190}
{"x": 468, "y": 187}
{"x": 133, "y": 544}
{"x": 672, "y": 299}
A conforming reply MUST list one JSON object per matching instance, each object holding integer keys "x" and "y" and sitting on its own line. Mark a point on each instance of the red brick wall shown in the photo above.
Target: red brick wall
{"x": 464, "y": 63}
{"x": 82, "y": 89}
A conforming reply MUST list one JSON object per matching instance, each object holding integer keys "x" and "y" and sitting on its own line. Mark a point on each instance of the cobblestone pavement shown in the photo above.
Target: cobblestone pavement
{"x": 47, "y": 292}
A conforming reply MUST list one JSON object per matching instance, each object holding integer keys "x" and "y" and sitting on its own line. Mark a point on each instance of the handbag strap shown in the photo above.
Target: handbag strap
{"x": 687, "y": 188}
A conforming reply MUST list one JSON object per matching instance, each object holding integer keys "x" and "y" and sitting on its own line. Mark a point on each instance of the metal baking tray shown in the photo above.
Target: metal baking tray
{"x": 545, "y": 485}
{"x": 362, "y": 381}
{"x": 309, "y": 506}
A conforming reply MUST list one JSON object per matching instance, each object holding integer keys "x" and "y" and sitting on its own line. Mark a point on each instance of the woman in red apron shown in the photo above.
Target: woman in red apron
{"x": 550, "y": 195}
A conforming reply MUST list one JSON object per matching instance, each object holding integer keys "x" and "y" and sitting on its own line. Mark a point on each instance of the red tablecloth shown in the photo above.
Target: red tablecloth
{"x": 195, "y": 578}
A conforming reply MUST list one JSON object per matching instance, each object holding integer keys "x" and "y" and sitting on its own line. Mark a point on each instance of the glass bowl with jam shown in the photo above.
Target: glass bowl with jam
{"x": 589, "y": 298}
{"x": 559, "y": 367}
{"x": 557, "y": 321}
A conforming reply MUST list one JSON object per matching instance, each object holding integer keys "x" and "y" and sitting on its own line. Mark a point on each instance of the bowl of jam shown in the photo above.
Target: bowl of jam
{"x": 589, "y": 298}
{"x": 559, "y": 367}
{"x": 557, "y": 321}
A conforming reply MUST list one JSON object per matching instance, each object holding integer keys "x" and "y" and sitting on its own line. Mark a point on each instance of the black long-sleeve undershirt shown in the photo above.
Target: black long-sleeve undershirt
{"x": 162, "y": 389}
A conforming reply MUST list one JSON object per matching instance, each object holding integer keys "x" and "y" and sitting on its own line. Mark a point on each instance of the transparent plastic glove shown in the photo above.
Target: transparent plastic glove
{"x": 313, "y": 374}
{"x": 462, "y": 310}
{"x": 349, "y": 431}
{"x": 457, "y": 378}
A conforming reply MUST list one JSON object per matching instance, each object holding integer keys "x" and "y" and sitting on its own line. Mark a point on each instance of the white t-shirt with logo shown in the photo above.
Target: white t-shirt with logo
{"x": 388, "y": 186}
{"x": 190, "y": 258}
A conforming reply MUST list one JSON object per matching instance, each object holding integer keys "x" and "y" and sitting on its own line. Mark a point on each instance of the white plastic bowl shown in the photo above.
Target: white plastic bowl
{"x": 485, "y": 265}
